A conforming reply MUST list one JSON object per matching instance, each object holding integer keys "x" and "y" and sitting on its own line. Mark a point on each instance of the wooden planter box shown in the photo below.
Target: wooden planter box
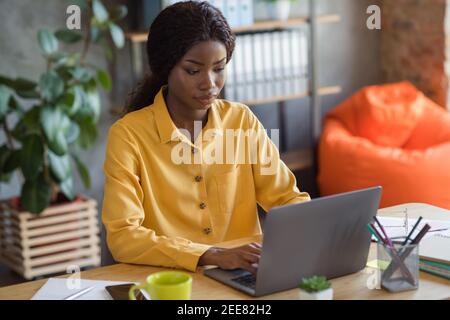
{"x": 62, "y": 236}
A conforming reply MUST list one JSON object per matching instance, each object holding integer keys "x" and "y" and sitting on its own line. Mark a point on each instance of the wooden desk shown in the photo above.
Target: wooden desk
{"x": 349, "y": 287}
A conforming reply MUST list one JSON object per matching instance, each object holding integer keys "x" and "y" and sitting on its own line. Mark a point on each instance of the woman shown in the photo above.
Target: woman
{"x": 166, "y": 206}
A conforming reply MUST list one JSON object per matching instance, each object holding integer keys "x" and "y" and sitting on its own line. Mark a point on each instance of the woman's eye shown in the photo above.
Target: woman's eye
{"x": 192, "y": 72}
{"x": 220, "y": 69}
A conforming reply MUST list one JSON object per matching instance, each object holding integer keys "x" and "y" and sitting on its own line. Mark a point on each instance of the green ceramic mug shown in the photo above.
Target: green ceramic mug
{"x": 165, "y": 285}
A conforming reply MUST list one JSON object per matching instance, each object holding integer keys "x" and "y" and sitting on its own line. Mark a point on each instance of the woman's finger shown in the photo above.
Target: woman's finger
{"x": 250, "y": 268}
{"x": 250, "y": 257}
{"x": 256, "y": 244}
{"x": 252, "y": 249}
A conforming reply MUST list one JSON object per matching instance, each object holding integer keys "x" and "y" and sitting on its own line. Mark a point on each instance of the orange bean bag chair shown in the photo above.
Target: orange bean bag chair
{"x": 389, "y": 135}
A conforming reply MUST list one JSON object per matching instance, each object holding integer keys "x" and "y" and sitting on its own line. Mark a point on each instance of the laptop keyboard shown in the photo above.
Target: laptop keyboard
{"x": 246, "y": 281}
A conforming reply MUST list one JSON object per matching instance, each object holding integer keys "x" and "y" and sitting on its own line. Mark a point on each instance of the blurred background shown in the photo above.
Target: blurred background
{"x": 331, "y": 49}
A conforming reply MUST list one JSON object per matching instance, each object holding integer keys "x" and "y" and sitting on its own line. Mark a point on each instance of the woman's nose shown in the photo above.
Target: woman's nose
{"x": 208, "y": 81}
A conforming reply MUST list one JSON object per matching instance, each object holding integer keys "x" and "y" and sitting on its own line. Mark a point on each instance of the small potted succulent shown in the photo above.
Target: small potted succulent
{"x": 315, "y": 288}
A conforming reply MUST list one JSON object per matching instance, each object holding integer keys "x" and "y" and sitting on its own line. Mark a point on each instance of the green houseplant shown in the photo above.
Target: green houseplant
{"x": 315, "y": 288}
{"x": 43, "y": 141}
{"x": 46, "y": 124}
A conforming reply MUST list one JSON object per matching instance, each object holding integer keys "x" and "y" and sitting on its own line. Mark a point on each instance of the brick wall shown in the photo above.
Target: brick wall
{"x": 413, "y": 45}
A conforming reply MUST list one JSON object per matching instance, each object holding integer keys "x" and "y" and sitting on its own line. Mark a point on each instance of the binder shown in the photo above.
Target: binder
{"x": 286, "y": 63}
{"x": 239, "y": 67}
{"x": 269, "y": 84}
{"x": 245, "y": 12}
{"x": 231, "y": 12}
{"x": 248, "y": 71}
{"x": 259, "y": 72}
{"x": 277, "y": 63}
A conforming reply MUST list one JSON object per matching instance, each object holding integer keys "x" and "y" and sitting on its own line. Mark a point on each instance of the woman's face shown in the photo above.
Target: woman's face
{"x": 197, "y": 79}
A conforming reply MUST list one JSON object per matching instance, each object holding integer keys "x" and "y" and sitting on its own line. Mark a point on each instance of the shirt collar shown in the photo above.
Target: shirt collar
{"x": 166, "y": 126}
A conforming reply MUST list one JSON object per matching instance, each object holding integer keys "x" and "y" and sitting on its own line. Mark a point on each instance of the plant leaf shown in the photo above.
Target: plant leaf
{"x": 91, "y": 103}
{"x": 118, "y": 12}
{"x": 59, "y": 166}
{"x": 81, "y": 74}
{"x": 81, "y": 3}
{"x": 21, "y": 84}
{"x": 117, "y": 35}
{"x": 104, "y": 79}
{"x": 67, "y": 188}
{"x": 51, "y": 86}
{"x": 88, "y": 133}
{"x": 7, "y": 81}
{"x": 35, "y": 195}
{"x": 73, "y": 132}
{"x": 95, "y": 33}
{"x": 5, "y": 95}
{"x": 47, "y": 42}
{"x": 12, "y": 161}
{"x": 68, "y": 36}
{"x": 82, "y": 171}
{"x": 4, "y": 155}
{"x": 73, "y": 100}
{"x": 55, "y": 125}
{"x": 99, "y": 11}
{"x": 30, "y": 124}
{"x": 31, "y": 156}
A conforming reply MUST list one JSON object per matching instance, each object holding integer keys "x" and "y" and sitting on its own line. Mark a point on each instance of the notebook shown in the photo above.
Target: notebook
{"x": 59, "y": 288}
{"x": 435, "y": 248}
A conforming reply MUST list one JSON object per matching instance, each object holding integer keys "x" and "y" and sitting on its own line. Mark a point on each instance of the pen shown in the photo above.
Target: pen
{"x": 374, "y": 233}
{"x": 421, "y": 234}
{"x": 383, "y": 231}
{"x": 412, "y": 230}
{"x": 78, "y": 294}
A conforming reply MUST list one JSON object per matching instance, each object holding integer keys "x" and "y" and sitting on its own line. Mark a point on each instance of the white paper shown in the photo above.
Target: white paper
{"x": 59, "y": 288}
{"x": 395, "y": 227}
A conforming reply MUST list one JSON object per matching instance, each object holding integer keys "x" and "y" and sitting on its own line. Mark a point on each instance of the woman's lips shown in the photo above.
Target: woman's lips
{"x": 206, "y": 100}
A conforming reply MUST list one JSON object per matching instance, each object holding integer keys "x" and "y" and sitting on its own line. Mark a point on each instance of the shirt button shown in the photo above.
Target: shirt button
{"x": 202, "y": 205}
{"x": 198, "y": 178}
{"x": 207, "y": 230}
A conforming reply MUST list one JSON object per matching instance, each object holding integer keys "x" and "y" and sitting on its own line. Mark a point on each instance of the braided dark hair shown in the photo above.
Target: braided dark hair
{"x": 174, "y": 31}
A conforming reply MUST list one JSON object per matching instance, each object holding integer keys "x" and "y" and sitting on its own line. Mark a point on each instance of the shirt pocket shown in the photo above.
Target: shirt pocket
{"x": 229, "y": 193}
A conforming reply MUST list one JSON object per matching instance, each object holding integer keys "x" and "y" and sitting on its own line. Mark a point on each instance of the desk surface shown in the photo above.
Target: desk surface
{"x": 354, "y": 286}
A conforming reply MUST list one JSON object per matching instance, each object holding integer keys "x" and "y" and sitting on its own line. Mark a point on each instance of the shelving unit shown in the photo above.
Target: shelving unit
{"x": 294, "y": 159}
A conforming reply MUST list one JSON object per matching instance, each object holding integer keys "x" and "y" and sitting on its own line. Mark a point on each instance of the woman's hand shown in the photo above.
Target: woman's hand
{"x": 243, "y": 257}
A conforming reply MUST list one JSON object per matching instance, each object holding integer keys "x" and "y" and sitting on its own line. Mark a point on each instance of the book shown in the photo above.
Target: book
{"x": 435, "y": 248}
{"x": 435, "y": 268}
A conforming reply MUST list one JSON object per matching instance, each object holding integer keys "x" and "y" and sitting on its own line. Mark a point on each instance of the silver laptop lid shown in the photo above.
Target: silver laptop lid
{"x": 325, "y": 236}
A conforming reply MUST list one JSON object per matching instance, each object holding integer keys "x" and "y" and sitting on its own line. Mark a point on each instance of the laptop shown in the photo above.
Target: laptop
{"x": 326, "y": 236}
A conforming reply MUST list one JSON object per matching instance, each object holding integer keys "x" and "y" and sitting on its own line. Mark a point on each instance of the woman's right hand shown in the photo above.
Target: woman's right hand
{"x": 245, "y": 257}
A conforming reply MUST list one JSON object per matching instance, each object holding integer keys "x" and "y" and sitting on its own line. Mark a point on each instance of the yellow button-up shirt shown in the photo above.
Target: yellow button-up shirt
{"x": 167, "y": 200}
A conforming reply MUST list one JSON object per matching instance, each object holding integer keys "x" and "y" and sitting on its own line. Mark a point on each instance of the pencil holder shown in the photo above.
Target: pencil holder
{"x": 399, "y": 266}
